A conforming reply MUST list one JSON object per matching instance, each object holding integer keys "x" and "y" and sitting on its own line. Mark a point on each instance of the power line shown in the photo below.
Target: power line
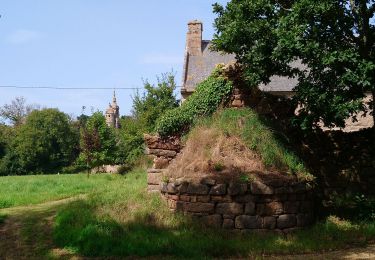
{"x": 74, "y": 88}
{"x": 67, "y": 88}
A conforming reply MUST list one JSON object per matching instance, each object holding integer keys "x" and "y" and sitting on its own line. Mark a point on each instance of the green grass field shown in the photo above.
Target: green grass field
{"x": 118, "y": 218}
{"x": 126, "y": 221}
{"x": 34, "y": 189}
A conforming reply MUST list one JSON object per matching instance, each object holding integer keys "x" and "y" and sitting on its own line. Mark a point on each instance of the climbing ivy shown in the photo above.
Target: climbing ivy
{"x": 206, "y": 99}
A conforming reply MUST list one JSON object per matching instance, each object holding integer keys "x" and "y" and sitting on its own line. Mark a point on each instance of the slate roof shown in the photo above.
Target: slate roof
{"x": 198, "y": 68}
{"x": 281, "y": 84}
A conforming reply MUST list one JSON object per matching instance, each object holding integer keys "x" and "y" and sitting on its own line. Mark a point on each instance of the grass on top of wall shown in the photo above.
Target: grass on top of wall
{"x": 34, "y": 189}
{"x": 124, "y": 220}
{"x": 247, "y": 124}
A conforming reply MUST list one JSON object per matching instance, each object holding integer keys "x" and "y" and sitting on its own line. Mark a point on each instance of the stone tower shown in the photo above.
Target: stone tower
{"x": 112, "y": 114}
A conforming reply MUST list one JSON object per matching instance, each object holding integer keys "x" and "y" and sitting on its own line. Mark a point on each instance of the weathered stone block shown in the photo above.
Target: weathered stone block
{"x": 229, "y": 216}
{"x": 250, "y": 208}
{"x": 208, "y": 181}
{"x": 291, "y": 207}
{"x": 198, "y": 189}
{"x": 151, "y": 170}
{"x": 257, "y": 187}
{"x": 237, "y": 188}
{"x": 286, "y": 221}
{"x": 176, "y": 205}
{"x": 153, "y": 188}
{"x": 269, "y": 222}
{"x": 171, "y": 188}
{"x": 180, "y": 181}
{"x": 244, "y": 198}
{"x": 154, "y": 178}
{"x": 229, "y": 208}
{"x": 163, "y": 187}
{"x": 272, "y": 208}
{"x": 275, "y": 182}
{"x": 155, "y": 142}
{"x": 160, "y": 163}
{"x": 184, "y": 198}
{"x": 221, "y": 198}
{"x": 172, "y": 197}
{"x": 213, "y": 220}
{"x": 183, "y": 187}
{"x": 248, "y": 222}
{"x": 160, "y": 152}
{"x": 228, "y": 224}
{"x": 203, "y": 198}
{"x": 199, "y": 207}
{"x": 218, "y": 189}
{"x": 237, "y": 103}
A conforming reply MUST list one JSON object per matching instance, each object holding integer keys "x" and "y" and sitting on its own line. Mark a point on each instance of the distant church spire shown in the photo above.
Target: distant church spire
{"x": 112, "y": 114}
{"x": 114, "y": 96}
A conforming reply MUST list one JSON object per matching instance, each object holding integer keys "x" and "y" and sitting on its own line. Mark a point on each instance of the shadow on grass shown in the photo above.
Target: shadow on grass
{"x": 2, "y": 218}
{"x": 78, "y": 228}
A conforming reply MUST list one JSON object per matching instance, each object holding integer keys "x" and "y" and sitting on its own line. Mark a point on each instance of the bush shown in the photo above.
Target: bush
{"x": 208, "y": 96}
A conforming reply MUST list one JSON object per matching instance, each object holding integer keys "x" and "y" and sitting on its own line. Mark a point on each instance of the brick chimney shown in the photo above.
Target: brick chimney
{"x": 194, "y": 38}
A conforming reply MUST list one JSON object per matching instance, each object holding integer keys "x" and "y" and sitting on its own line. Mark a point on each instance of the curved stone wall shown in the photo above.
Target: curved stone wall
{"x": 258, "y": 205}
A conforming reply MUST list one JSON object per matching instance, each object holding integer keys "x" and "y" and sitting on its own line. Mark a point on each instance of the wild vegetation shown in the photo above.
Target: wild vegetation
{"x": 208, "y": 96}
{"x": 333, "y": 40}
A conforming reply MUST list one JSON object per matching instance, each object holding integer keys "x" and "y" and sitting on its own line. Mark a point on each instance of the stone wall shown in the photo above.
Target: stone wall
{"x": 266, "y": 202}
{"x": 163, "y": 152}
{"x": 258, "y": 205}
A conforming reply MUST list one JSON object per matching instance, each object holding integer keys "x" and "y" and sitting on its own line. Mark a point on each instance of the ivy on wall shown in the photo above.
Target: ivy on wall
{"x": 206, "y": 99}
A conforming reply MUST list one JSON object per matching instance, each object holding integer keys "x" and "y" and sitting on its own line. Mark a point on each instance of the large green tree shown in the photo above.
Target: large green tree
{"x": 154, "y": 101}
{"x": 97, "y": 142}
{"x": 45, "y": 143}
{"x": 333, "y": 39}
{"x": 147, "y": 108}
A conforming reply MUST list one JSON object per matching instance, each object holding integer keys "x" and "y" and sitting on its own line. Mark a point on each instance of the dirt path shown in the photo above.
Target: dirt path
{"x": 27, "y": 232}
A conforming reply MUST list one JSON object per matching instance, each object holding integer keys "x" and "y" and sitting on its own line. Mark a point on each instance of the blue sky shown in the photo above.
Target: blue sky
{"x": 92, "y": 43}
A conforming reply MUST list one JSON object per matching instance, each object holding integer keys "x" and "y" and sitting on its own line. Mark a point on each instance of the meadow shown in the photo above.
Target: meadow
{"x": 35, "y": 189}
{"x": 118, "y": 218}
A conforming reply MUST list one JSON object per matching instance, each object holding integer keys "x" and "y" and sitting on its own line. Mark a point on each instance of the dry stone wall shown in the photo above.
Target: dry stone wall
{"x": 264, "y": 203}
{"x": 163, "y": 152}
{"x": 279, "y": 206}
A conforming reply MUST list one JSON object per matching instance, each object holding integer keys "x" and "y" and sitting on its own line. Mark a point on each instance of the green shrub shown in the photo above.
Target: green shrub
{"x": 208, "y": 96}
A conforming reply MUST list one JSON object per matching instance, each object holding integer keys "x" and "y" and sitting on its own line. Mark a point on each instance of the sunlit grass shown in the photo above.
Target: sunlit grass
{"x": 34, "y": 189}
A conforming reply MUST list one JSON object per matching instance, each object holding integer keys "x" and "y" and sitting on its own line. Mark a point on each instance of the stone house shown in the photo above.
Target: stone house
{"x": 112, "y": 114}
{"x": 200, "y": 60}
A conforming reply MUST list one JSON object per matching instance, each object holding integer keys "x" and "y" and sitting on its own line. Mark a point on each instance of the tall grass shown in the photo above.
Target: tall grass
{"x": 34, "y": 189}
{"x": 247, "y": 124}
{"x": 123, "y": 220}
